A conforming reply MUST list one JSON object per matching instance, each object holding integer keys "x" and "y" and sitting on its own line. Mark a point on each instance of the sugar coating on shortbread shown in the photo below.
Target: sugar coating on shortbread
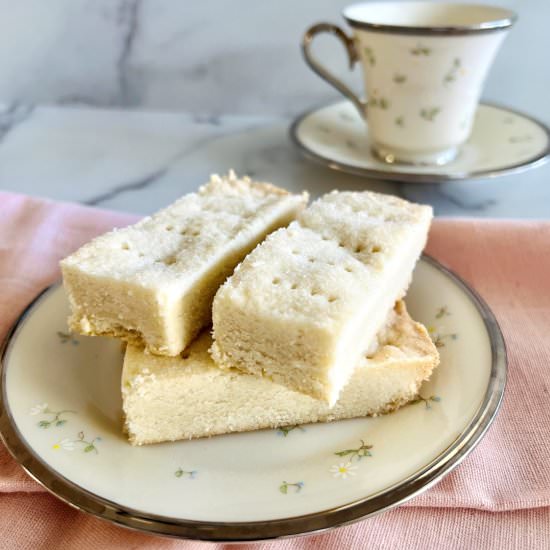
{"x": 153, "y": 283}
{"x": 171, "y": 398}
{"x": 304, "y": 306}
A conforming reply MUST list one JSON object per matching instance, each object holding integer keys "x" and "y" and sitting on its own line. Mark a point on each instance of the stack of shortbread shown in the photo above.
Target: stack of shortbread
{"x": 305, "y": 306}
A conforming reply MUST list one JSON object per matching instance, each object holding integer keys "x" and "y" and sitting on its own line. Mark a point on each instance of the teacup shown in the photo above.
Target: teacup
{"x": 424, "y": 65}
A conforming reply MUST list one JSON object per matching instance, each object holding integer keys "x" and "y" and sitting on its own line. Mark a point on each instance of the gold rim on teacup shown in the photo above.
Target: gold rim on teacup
{"x": 500, "y": 19}
{"x": 424, "y": 65}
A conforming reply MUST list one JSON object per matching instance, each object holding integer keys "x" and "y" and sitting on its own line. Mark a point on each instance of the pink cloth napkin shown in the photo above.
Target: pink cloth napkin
{"x": 499, "y": 496}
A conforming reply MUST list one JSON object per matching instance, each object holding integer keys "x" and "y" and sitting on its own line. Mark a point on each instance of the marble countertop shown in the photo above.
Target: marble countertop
{"x": 238, "y": 57}
{"x": 101, "y": 100}
{"x": 139, "y": 161}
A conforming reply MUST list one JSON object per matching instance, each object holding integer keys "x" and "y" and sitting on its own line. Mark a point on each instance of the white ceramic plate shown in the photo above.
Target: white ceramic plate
{"x": 503, "y": 141}
{"x": 61, "y": 419}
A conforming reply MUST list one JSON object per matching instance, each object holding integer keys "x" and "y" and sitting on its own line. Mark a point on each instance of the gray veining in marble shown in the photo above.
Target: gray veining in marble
{"x": 13, "y": 115}
{"x": 141, "y": 161}
{"x": 212, "y": 57}
{"x": 228, "y": 77}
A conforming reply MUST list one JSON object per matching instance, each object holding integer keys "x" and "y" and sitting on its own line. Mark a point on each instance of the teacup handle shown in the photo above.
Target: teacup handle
{"x": 349, "y": 44}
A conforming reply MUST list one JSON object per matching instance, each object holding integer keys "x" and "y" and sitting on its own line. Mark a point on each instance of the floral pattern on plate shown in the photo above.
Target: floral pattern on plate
{"x": 344, "y": 470}
{"x": 186, "y": 474}
{"x": 285, "y": 430}
{"x": 86, "y": 445}
{"x": 56, "y": 418}
{"x": 67, "y": 337}
{"x": 287, "y": 487}
{"x": 438, "y": 333}
{"x": 241, "y": 473}
{"x": 357, "y": 453}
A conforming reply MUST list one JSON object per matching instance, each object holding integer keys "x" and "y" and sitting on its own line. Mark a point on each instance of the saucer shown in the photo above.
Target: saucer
{"x": 503, "y": 141}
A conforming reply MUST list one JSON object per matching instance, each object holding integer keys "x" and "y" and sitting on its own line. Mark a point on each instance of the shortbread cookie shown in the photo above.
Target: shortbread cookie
{"x": 304, "y": 306}
{"x": 171, "y": 398}
{"x": 153, "y": 283}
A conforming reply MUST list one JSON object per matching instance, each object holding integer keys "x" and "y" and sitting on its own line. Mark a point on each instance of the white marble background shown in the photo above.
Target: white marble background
{"x": 228, "y": 77}
{"x": 211, "y": 56}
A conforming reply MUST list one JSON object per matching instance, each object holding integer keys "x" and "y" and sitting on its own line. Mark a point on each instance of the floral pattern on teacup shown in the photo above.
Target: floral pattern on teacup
{"x": 399, "y": 78}
{"x": 420, "y": 50}
{"x": 453, "y": 72}
{"x": 379, "y": 102}
{"x": 429, "y": 113}
{"x": 369, "y": 56}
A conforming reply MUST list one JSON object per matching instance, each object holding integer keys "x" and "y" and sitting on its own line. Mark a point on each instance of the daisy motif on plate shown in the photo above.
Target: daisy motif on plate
{"x": 343, "y": 470}
{"x": 66, "y": 444}
{"x": 39, "y": 409}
